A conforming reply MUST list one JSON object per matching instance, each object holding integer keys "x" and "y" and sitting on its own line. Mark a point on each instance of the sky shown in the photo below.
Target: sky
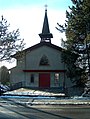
{"x": 28, "y": 16}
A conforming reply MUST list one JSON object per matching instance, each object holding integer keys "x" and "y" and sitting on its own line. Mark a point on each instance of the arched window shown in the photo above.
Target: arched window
{"x": 44, "y": 60}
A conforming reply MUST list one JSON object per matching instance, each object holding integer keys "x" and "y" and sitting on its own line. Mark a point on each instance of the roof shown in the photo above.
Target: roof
{"x": 34, "y": 47}
{"x": 44, "y": 44}
{"x": 45, "y": 30}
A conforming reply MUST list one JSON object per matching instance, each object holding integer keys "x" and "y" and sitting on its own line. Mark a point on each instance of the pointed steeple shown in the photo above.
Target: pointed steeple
{"x": 45, "y": 35}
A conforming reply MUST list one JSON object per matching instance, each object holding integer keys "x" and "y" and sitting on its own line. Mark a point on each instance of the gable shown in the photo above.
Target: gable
{"x": 43, "y": 44}
{"x": 43, "y": 57}
{"x": 35, "y": 47}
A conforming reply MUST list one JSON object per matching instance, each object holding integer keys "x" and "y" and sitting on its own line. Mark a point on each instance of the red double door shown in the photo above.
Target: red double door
{"x": 44, "y": 80}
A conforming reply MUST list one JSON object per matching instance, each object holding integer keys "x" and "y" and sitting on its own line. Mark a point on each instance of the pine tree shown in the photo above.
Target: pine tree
{"x": 78, "y": 21}
{"x": 4, "y": 75}
{"x": 77, "y": 30}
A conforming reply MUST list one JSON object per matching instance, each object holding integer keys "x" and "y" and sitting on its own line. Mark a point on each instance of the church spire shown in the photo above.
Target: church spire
{"x": 45, "y": 35}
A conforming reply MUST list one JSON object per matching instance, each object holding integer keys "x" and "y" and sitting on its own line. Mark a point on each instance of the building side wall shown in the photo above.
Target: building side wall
{"x": 16, "y": 76}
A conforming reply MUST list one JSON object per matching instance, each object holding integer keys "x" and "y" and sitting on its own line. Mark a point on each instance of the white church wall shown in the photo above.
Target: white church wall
{"x": 33, "y": 59}
{"x": 28, "y": 81}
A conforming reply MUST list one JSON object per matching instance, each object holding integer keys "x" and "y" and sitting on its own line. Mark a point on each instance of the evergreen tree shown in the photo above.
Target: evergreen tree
{"x": 77, "y": 30}
{"x": 4, "y": 75}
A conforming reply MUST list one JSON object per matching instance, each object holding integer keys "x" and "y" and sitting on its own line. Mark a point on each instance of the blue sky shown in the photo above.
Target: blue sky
{"x": 55, "y": 4}
{"x": 28, "y": 16}
{"x": 23, "y": 13}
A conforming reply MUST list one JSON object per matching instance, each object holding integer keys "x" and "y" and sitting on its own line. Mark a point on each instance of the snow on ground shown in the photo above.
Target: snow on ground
{"x": 37, "y": 97}
{"x": 31, "y": 92}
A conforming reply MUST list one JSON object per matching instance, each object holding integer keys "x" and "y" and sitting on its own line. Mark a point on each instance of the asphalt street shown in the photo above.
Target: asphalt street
{"x": 11, "y": 109}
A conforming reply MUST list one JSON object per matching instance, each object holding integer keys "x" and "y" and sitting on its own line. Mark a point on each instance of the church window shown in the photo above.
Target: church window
{"x": 44, "y": 60}
{"x": 32, "y": 78}
{"x": 56, "y": 78}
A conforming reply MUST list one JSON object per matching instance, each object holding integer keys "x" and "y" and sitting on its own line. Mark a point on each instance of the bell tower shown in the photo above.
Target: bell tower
{"x": 45, "y": 35}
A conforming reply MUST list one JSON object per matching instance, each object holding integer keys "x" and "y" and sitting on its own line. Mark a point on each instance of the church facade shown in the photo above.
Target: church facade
{"x": 41, "y": 65}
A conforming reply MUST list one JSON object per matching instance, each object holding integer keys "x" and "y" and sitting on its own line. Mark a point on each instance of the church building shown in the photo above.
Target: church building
{"x": 41, "y": 65}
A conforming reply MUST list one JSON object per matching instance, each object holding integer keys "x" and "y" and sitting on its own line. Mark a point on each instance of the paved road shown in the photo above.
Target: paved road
{"x": 10, "y": 109}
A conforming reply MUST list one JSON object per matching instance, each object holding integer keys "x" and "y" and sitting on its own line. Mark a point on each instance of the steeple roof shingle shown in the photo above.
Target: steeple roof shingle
{"x": 45, "y": 35}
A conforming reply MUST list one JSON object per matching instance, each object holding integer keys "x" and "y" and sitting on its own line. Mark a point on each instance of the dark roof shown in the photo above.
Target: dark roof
{"x": 45, "y": 30}
{"x": 44, "y": 44}
{"x": 34, "y": 47}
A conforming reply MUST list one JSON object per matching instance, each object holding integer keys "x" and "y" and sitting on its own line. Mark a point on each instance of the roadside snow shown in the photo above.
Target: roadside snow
{"x": 32, "y": 92}
{"x": 37, "y": 97}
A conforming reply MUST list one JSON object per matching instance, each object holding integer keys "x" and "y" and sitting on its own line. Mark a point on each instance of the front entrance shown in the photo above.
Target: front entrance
{"x": 44, "y": 80}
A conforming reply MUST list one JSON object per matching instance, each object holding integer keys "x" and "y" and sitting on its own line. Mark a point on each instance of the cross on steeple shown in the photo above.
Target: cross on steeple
{"x": 45, "y": 35}
{"x": 46, "y": 7}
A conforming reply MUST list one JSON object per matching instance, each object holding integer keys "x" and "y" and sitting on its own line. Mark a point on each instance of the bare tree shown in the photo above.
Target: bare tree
{"x": 10, "y": 41}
